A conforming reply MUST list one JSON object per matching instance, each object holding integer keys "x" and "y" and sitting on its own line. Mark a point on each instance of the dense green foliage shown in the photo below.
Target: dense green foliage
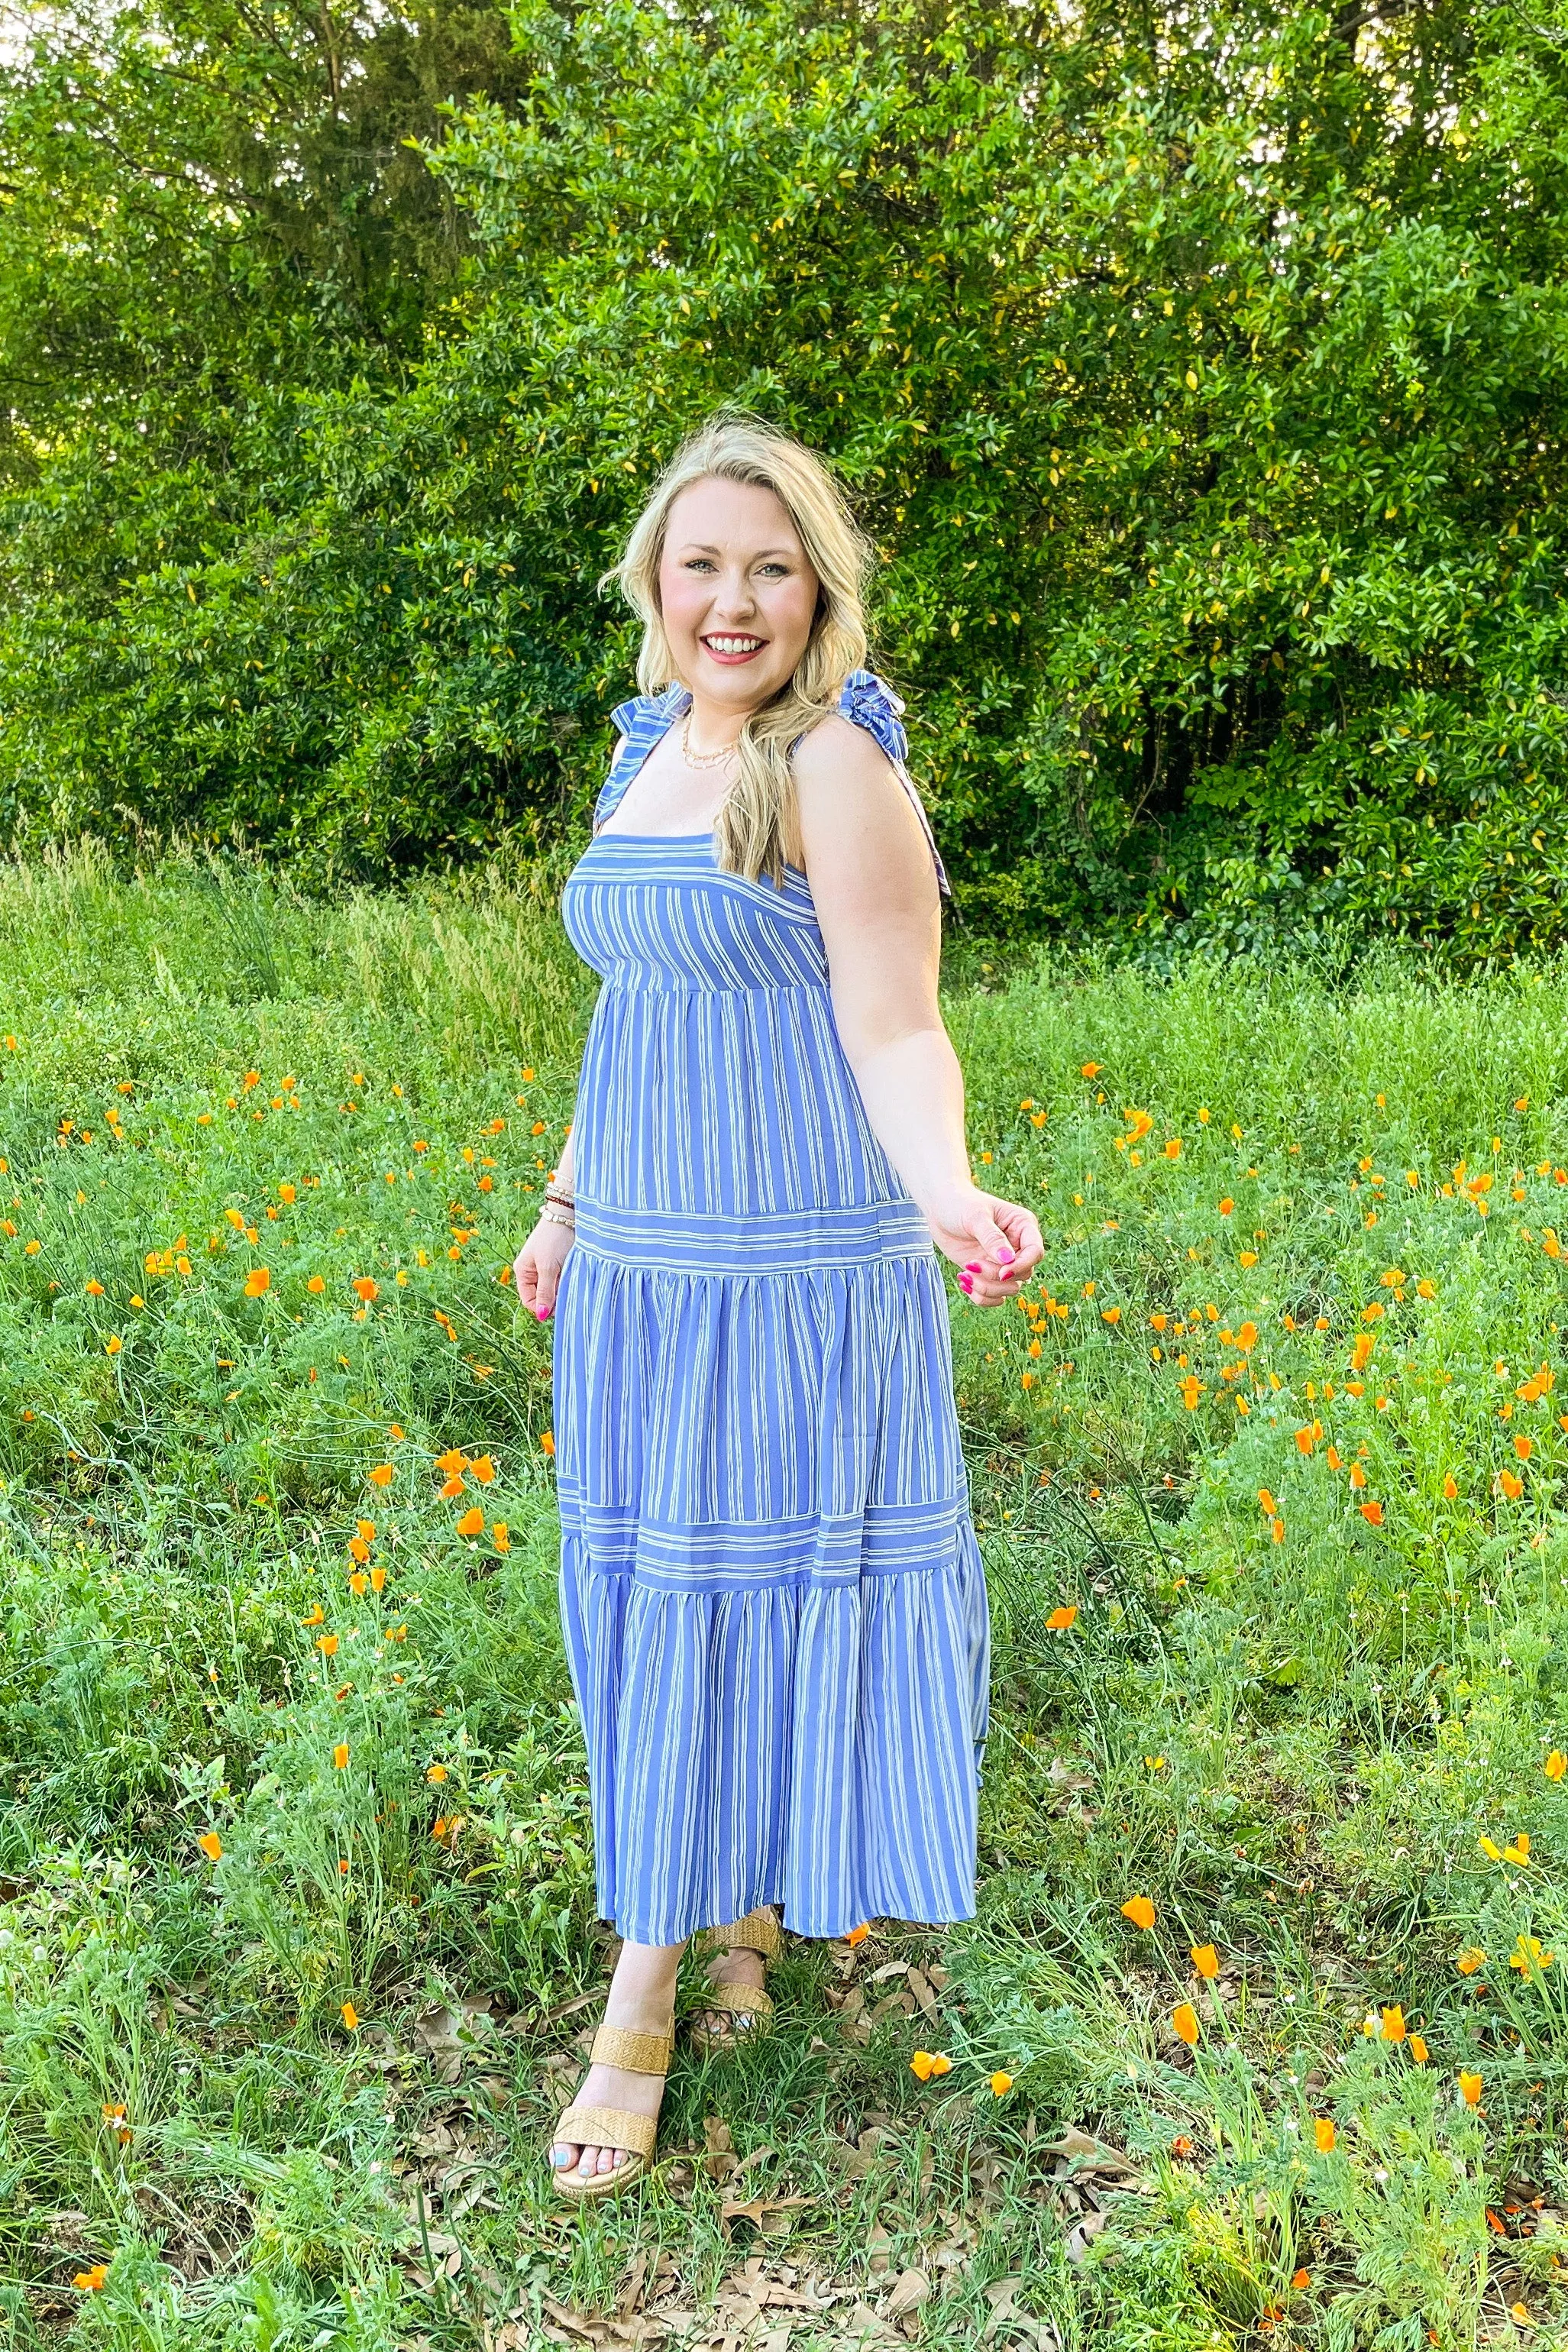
{"x": 1291, "y": 1746}
{"x": 1201, "y": 375}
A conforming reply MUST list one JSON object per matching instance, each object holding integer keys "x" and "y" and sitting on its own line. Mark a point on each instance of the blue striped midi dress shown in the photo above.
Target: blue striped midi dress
{"x": 771, "y": 1593}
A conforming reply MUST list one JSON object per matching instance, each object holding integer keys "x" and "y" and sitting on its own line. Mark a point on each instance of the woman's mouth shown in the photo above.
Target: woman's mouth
{"x": 732, "y": 649}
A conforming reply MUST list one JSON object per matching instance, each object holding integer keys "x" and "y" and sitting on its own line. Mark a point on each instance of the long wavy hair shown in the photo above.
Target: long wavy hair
{"x": 754, "y": 822}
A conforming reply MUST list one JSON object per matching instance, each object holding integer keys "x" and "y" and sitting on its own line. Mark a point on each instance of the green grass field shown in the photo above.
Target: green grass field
{"x": 297, "y": 1943}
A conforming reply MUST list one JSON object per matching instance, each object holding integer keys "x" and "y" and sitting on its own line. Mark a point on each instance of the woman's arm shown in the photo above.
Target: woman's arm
{"x": 537, "y": 1268}
{"x": 870, "y": 868}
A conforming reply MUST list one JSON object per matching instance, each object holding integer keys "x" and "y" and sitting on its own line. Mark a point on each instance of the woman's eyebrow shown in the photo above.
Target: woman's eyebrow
{"x": 705, "y": 547}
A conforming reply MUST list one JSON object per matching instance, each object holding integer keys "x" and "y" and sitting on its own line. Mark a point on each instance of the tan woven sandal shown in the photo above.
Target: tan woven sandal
{"x": 758, "y": 1932}
{"x": 636, "y": 2054}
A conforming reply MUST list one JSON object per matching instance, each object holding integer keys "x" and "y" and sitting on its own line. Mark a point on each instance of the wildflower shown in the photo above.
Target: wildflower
{"x": 1173, "y": 1148}
{"x": 366, "y": 1530}
{"x": 1277, "y": 1530}
{"x": 1372, "y": 1513}
{"x": 95, "y": 1289}
{"x": 1324, "y": 2134}
{"x": 378, "y": 1578}
{"x": 483, "y": 1469}
{"x": 1527, "y": 1955}
{"x": 359, "y": 1583}
{"x": 317, "y": 1617}
{"x": 450, "y": 1488}
{"x": 258, "y": 1282}
{"x": 328, "y": 1644}
{"x": 1184, "y": 2023}
{"x": 1226, "y": 1205}
{"x": 113, "y": 1344}
{"x": 1523, "y": 1447}
{"x": 857, "y": 1936}
{"x": 212, "y": 1845}
{"x": 501, "y": 1537}
{"x": 348, "y": 2013}
{"x": 287, "y": 1195}
{"x": 547, "y": 1443}
{"x": 1062, "y": 1620}
{"x": 1426, "y": 1288}
{"x": 1418, "y": 2050}
{"x": 89, "y": 2282}
{"x": 1300, "y": 2279}
{"x": 1471, "y": 1958}
{"x": 1206, "y": 1960}
{"x": 359, "y": 1549}
{"x": 1556, "y": 1764}
{"x": 1181, "y": 2145}
{"x": 1000, "y": 2085}
{"x": 926, "y": 2063}
{"x": 381, "y": 1475}
{"x": 365, "y": 1287}
{"x": 1109, "y": 1314}
{"x": 316, "y": 1285}
{"x": 1191, "y": 1390}
{"x": 472, "y": 1523}
{"x": 1394, "y": 2024}
{"x": 1450, "y": 1487}
{"x": 1470, "y": 2090}
{"x": 437, "y": 1772}
{"x": 1306, "y": 1439}
{"x": 1139, "y": 1910}
{"x": 1520, "y": 1850}
{"x": 1267, "y": 1503}
{"x": 1086, "y": 1069}
{"x": 341, "y": 1755}
{"x": 1512, "y": 1486}
{"x": 1248, "y": 1258}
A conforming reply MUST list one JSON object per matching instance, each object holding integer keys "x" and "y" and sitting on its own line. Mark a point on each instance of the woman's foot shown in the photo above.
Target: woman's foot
{"x": 737, "y": 1966}
{"x": 738, "y": 1971}
{"x": 641, "y": 2001}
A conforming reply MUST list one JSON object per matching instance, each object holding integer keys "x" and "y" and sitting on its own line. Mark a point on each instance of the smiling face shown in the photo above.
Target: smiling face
{"x": 736, "y": 592}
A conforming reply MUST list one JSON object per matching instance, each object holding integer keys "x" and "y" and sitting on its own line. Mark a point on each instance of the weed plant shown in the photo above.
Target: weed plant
{"x": 1261, "y": 2033}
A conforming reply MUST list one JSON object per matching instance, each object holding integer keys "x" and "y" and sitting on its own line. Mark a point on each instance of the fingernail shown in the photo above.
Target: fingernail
{"x": 1004, "y": 1255}
{"x": 965, "y": 1285}
{"x": 971, "y": 1269}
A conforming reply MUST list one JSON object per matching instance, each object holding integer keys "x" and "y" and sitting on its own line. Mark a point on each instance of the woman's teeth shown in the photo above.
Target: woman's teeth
{"x": 735, "y": 644}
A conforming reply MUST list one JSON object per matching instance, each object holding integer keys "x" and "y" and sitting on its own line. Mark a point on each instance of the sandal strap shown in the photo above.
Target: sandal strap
{"x": 738, "y": 2000}
{"x": 608, "y": 2127}
{"x": 758, "y": 1932}
{"x": 637, "y": 2053}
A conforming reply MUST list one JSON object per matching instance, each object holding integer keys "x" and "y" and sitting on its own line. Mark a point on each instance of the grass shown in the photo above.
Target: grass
{"x": 237, "y": 1793}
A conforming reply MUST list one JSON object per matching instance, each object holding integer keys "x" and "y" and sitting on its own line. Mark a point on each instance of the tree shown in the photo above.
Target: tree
{"x": 1201, "y": 379}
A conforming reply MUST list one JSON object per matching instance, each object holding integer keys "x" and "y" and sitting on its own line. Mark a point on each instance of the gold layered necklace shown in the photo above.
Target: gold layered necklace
{"x": 701, "y": 759}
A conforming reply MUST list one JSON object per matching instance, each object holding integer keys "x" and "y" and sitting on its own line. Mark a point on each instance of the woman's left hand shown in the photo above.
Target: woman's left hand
{"x": 995, "y": 1243}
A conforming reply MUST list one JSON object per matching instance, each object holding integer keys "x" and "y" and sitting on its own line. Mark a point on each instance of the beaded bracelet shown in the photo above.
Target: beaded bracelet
{"x": 552, "y": 1213}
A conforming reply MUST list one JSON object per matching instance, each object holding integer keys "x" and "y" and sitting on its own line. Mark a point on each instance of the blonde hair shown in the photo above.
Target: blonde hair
{"x": 751, "y": 829}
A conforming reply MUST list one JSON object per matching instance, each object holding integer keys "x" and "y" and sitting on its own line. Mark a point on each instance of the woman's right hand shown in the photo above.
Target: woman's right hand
{"x": 537, "y": 1268}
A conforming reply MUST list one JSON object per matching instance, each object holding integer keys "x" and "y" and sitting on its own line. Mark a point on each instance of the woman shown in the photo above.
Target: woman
{"x": 770, "y": 1586}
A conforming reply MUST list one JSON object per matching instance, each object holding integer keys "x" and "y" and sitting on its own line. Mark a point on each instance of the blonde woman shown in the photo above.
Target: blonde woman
{"x": 772, "y": 1590}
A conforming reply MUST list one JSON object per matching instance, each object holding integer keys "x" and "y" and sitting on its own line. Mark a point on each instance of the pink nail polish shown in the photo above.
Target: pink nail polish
{"x": 965, "y": 1285}
{"x": 972, "y": 1269}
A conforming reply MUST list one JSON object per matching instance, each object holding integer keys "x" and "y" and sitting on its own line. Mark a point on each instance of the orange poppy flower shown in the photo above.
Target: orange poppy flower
{"x": 365, "y": 1287}
{"x": 381, "y": 1475}
{"x": 1512, "y": 1486}
{"x": 1206, "y": 1960}
{"x": 341, "y": 1755}
{"x": 1184, "y": 2023}
{"x": 501, "y": 1537}
{"x": 316, "y": 1285}
{"x": 1000, "y": 2085}
{"x": 483, "y": 1469}
{"x": 1325, "y": 2133}
{"x": 378, "y": 1578}
{"x": 857, "y": 1936}
{"x": 328, "y": 1644}
{"x": 1372, "y": 1513}
{"x": 212, "y": 1845}
{"x": 1061, "y": 1620}
{"x": 1523, "y": 1447}
{"x": 1471, "y": 2089}
{"x": 1556, "y": 1764}
{"x": 472, "y": 1523}
{"x": 1418, "y": 2050}
{"x": 1267, "y": 1502}
{"x": 256, "y": 1282}
{"x": 349, "y": 2014}
{"x": 1394, "y": 2024}
{"x": 1139, "y": 1910}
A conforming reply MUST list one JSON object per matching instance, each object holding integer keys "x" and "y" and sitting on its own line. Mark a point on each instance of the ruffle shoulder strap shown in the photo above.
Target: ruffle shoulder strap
{"x": 870, "y": 702}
